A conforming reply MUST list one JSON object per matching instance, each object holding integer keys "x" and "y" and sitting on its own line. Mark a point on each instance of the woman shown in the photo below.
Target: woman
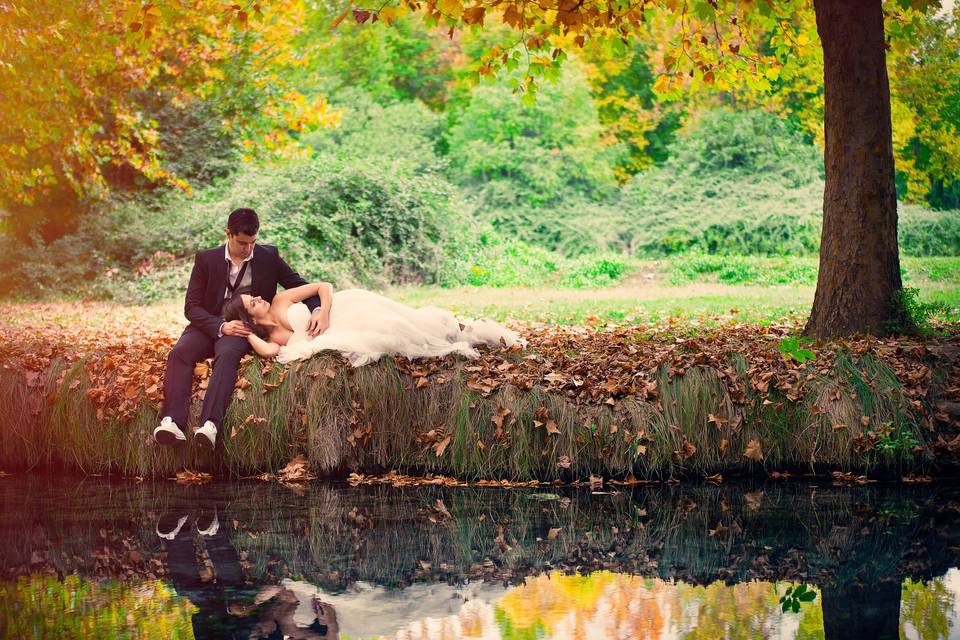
{"x": 360, "y": 324}
{"x": 269, "y": 323}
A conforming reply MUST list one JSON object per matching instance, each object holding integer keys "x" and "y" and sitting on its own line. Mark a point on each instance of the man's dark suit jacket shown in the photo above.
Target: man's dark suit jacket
{"x": 208, "y": 283}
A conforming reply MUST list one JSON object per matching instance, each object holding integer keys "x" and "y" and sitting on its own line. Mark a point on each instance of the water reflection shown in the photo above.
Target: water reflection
{"x": 255, "y": 560}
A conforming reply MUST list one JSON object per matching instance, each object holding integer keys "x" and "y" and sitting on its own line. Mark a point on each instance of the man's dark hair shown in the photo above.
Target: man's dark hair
{"x": 243, "y": 221}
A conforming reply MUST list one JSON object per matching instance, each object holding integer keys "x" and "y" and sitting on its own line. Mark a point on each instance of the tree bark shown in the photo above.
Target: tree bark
{"x": 859, "y": 257}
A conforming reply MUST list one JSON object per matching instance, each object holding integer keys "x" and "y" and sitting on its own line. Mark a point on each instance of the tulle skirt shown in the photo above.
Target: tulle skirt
{"x": 364, "y": 326}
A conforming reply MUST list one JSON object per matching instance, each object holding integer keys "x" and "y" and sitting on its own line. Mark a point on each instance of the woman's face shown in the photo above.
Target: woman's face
{"x": 256, "y": 306}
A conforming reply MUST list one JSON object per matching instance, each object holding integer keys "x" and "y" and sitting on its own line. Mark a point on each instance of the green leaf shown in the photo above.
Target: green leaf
{"x": 704, "y": 11}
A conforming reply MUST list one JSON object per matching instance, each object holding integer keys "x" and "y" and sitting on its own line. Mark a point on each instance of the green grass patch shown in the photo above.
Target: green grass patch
{"x": 792, "y": 270}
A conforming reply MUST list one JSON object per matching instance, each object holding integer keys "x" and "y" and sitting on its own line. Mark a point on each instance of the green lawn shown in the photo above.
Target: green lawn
{"x": 631, "y": 303}
{"x": 689, "y": 289}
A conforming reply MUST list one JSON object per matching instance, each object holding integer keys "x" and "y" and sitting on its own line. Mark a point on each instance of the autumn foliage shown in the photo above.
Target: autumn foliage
{"x": 74, "y": 76}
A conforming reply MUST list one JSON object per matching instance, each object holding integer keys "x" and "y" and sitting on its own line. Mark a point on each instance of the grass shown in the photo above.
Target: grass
{"x": 374, "y": 418}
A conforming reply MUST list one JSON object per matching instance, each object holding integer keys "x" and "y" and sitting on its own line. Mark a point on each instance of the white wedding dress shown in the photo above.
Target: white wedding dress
{"x": 365, "y": 326}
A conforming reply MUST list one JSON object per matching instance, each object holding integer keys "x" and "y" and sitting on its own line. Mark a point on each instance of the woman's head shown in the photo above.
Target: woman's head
{"x": 248, "y": 309}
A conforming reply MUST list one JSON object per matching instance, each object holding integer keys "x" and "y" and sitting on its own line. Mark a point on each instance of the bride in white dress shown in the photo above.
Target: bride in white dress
{"x": 362, "y": 325}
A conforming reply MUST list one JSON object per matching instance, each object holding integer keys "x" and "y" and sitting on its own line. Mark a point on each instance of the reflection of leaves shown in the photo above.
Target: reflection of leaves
{"x": 753, "y": 500}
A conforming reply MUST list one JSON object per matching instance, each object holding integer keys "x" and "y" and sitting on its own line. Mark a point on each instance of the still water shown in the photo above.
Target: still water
{"x": 101, "y": 559}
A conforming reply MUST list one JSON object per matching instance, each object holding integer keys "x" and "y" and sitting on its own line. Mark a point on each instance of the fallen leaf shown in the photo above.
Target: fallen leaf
{"x": 297, "y": 470}
{"x": 192, "y": 477}
{"x": 441, "y": 446}
{"x": 753, "y": 451}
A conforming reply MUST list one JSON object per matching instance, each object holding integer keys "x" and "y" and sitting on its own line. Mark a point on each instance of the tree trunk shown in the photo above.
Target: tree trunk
{"x": 859, "y": 257}
{"x": 867, "y": 611}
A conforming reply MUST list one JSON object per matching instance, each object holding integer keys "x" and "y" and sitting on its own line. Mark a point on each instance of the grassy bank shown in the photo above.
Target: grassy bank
{"x": 645, "y": 400}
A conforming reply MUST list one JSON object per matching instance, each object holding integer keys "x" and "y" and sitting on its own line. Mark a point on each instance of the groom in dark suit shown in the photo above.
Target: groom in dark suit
{"x": 239, "y": 266}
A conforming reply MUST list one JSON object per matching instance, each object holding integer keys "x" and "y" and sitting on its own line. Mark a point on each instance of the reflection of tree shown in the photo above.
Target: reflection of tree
{"x": 926, "y": 608}
{"x": 609, "y": 605}
{"x": 45, "y": 607}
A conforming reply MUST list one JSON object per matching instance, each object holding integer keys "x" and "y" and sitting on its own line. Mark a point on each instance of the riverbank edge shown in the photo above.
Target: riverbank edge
{"x": 853, "y": 418}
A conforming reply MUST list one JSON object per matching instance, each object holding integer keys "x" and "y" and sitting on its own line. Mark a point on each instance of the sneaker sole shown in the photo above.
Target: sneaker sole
{"x": 203, "y": 441}
{"x": 166, "y": 438}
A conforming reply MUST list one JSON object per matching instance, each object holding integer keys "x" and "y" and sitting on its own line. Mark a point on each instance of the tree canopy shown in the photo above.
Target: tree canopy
{"x": 74, "y": 106}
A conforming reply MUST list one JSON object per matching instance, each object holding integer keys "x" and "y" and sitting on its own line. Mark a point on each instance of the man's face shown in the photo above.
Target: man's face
{"x": 240, "y": 245}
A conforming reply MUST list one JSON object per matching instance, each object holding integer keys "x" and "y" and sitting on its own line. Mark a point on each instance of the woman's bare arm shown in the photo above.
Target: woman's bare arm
{"x": 262, "y": 347}
{"x": 298, "y": 294}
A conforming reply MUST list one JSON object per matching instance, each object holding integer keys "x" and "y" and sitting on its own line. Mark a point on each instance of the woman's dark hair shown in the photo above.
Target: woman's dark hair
{"x": 243, "y": 221}
{"x": 234, "y": 310}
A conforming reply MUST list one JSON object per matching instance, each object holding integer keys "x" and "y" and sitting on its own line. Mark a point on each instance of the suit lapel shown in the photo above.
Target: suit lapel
{"x": 258, "y": 279}
{"x": 223, "y": 273}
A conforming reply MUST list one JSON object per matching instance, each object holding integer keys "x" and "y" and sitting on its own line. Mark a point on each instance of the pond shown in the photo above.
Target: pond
{"x": 97, "y": 558}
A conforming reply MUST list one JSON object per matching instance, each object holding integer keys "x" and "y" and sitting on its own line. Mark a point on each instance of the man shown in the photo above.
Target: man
{"x": 239, "y": 266}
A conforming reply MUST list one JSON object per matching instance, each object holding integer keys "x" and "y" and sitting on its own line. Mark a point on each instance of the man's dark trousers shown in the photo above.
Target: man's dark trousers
{"x": 193, "y": 346}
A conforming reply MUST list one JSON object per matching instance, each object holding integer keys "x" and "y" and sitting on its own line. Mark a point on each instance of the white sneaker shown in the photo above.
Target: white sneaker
{"x": 168, "y": 432}
{"x": 166, "y": 530}
{"x": 211, "y": 528}
{"x": 206, "y": 436}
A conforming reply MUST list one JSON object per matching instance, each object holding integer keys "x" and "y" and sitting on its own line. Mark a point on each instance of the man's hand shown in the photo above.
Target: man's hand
{"x": 235, "y": 328}
{"x": 319, "y": 322}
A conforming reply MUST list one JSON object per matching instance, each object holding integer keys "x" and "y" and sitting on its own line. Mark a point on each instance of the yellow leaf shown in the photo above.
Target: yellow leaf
{"x": 450, "y": 8}
{"x": 662, "y": 85}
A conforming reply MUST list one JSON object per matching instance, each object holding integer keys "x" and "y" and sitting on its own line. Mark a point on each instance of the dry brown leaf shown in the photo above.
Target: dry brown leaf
{"x": 753, "y": 451}
{"x": 297, "y": 470}
{"x": 441, "y": 446}
{"x": 192, "y": 477}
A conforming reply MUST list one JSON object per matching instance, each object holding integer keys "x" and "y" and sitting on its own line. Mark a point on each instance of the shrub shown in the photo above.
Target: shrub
{"x": 743, "y": 269}
{"x": 910, "y": 314}
{"x": 513, "y": 156}
{"x": 588, "y": 272}
{"x": 480, "y": 256}
{"x": 402, "y": 136}
{"x": 747, "y": 142}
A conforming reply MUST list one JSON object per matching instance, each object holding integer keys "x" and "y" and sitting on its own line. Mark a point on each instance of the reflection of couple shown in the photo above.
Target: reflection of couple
{"x": 221, "y": 598}
{"x": 232, "y": 305}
